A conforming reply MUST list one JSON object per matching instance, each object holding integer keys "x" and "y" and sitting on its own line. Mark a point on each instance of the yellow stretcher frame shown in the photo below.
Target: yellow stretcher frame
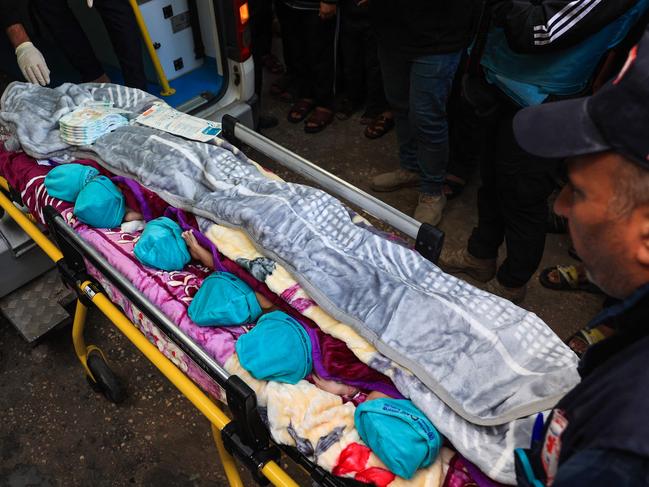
{"x": 217, "y": 418}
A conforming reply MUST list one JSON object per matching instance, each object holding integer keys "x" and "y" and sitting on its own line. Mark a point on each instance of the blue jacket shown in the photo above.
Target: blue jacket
{"x": 537, "y": 49}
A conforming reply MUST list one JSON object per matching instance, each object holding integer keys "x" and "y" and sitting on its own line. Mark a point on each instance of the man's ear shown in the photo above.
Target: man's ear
{"x": 643, "y": 249}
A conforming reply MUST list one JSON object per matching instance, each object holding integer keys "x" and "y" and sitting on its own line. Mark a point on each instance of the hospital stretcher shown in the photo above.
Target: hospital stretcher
{"x": 243, "y": 436}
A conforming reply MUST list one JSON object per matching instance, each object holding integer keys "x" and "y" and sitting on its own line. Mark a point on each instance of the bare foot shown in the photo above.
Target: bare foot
{"x": 197, "y": 251}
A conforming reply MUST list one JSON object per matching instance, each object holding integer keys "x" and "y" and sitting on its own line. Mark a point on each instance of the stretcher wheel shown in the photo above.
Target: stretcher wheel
{"x": 105, "y": 381}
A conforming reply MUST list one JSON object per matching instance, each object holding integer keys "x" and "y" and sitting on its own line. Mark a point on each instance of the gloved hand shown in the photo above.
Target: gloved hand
{"x": 90, "y": 3}
{"x": 32, "y": 64}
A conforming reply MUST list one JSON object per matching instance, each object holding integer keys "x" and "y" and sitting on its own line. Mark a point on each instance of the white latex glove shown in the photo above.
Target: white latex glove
{"x": 90, "y": 3}
{"x": 32, "y": 64}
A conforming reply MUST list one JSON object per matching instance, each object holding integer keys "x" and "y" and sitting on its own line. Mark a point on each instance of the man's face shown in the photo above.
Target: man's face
{"x": 605, "y": 241}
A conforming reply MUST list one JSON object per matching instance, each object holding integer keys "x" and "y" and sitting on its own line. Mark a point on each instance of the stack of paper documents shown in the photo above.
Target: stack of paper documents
{"x": 86, "y": 124}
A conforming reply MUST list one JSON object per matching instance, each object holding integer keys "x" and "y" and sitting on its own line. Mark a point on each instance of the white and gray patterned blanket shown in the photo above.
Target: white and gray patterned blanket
{"x": 482, "y": 363}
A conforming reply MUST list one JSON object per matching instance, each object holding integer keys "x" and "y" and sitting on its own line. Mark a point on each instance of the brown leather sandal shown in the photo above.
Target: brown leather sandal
{"x": 300, "y": 110}
{"x": 318, "y": 120}
{"x": 380, "y": 126}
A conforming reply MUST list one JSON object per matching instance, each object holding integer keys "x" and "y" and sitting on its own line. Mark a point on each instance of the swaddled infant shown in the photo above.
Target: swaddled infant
{"x": 98, "y": 202}
{"x": 289, "y": 327}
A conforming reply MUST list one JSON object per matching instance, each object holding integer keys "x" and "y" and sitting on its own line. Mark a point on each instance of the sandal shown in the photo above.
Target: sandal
{"x": 318, "y": 120}
{"x": 583, "y": 339}
{"x": 272, "y": 64}
{"x": 380, "y": 126}
{"x": 300, "y": 110}
{"x": 570, "y": 279}
{"x": 453, "y": 186}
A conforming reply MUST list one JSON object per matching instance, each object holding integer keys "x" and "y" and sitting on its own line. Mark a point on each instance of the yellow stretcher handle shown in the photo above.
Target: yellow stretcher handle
{"x": 164, "y": 83}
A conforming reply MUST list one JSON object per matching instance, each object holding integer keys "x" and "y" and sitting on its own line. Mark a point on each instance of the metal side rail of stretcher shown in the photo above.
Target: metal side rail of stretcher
{"x": 244, "y": 437}
{"x": 429, "y": 240}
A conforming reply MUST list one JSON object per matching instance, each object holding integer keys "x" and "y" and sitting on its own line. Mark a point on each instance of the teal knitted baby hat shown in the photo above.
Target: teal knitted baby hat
{"x": 224, "y": 300}
{"x": 278, "y": 348}
{"x": 162, "y": 246}
{"x": 399, "y": 433}
{"x": 65, "y": 181}
{"x": 100, "y": 204}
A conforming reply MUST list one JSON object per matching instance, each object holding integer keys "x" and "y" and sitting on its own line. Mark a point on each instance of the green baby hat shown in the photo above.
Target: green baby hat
{"x": 100, "y": 204}
{"x": 278, "y": 348}
{"x": 65, "y": 181}
{"x": 162, "y": 246}
{"x": 224, "y": 300}
{"x": 399, "y": 433}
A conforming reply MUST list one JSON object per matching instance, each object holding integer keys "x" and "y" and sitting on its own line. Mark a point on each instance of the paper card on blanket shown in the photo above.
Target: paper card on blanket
{"x": 162, "y": 117}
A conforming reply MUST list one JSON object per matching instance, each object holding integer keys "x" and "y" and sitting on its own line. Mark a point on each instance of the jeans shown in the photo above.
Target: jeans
{"x": 417, "y": 90}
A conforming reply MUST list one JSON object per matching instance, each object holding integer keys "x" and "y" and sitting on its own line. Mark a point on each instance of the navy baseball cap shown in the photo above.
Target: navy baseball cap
{"x": 615, "y": 118}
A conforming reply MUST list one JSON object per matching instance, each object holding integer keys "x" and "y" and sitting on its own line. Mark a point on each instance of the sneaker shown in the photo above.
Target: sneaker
{"x": 460, "y": 261}
{"x": 430, "y": 207}
{"x": 514, "y": 294}
{"x": 393, "y": 180}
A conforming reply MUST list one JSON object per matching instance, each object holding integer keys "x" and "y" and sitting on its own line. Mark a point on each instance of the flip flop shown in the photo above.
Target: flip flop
{"x": 380, "y": 126}
{"x": 300, "y": 110}
{"x": 568, "y": 280}
{"x": 319, "y": 119}
{"x": 583, "y": 339}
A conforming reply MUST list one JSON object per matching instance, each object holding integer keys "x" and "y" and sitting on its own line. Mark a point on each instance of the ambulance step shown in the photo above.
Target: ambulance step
{"x": 39, "y": 306}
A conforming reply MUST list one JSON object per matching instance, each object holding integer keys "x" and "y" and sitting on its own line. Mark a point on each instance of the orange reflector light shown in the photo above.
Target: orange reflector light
{"x": 244, "y": 15}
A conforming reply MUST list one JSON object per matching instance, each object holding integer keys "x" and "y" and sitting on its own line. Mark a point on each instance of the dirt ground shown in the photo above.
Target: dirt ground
{"x": 56, "y": 431}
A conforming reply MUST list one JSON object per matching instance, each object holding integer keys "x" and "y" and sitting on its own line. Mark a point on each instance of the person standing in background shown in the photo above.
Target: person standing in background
{"x": 30, "y": 60}
{"x": 312, "y": 38}
{"x": 361, "y": 70}
{"x": 420, "y": 46}
{"x": 122, "y": 28}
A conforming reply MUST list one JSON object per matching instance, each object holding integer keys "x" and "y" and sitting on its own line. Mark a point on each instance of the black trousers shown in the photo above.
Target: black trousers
{"x": 512, "y": 202}
{"x": 465, "y": 131}
{"x": 361, "y": 68}
{"x": 285, "y": 18}
{"x": 122, "y": 29}
{"x": 311, "y": 53}
{"x": 261, "y": 32}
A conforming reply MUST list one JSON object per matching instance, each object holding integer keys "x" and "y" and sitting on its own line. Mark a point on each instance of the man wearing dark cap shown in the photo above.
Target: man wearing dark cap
{"x": 598, "y": 434}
